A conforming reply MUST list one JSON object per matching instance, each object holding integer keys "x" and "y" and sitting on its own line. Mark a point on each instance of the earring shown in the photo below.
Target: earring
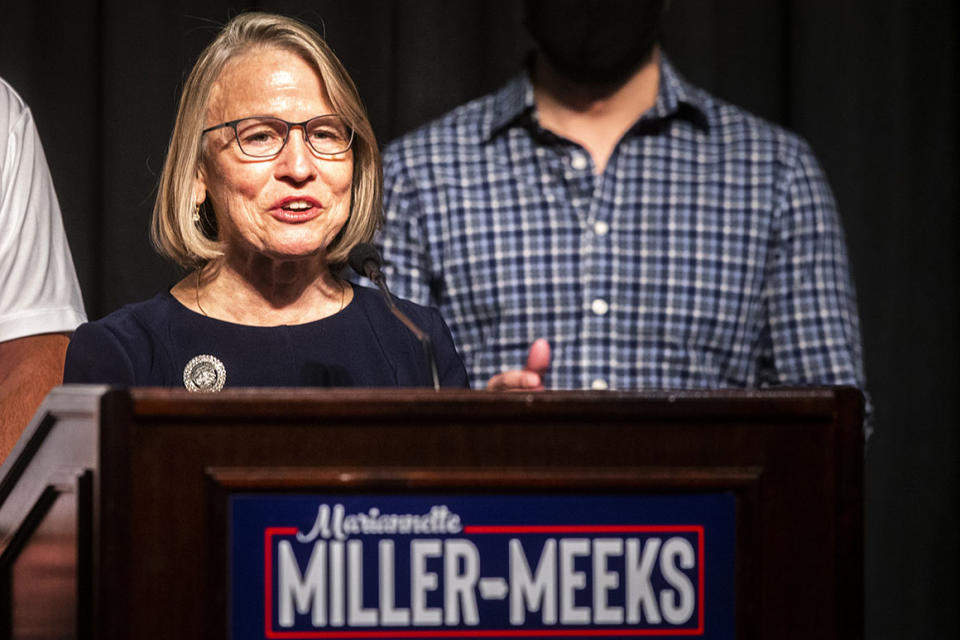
{"x": 196, "y": 215}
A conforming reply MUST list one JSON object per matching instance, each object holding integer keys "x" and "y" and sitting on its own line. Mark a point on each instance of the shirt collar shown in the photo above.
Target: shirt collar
{"x": 512, "y": 102}
{"x": 675, "y": 98}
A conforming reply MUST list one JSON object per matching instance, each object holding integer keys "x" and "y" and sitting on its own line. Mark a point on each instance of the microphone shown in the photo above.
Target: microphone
{"x": 366, "y": 261}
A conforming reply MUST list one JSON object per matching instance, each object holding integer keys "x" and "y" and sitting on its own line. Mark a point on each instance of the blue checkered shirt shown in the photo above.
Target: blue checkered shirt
{"x": 707, "y": 254}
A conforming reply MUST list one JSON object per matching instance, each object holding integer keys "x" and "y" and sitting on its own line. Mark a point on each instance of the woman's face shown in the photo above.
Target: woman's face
{"x": 287, "y": 207}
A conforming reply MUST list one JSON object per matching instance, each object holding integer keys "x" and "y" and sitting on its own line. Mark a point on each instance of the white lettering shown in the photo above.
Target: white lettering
{"x": 639, "y": 588}
{"x": 533, "y": 593}
{"x": 337, "y": 524}
{"x": 571, "y": 580}
{"x": 351, "y": 525}
{"x": 422, "y": 581}
{"x": 334, "y": 523}
{"x": 389, "y": 613}
{"x": 337, "y": 571}
{"x": 306, "y": 592}
{"x": 357, "y": 615}
{"x": 321, "y": 526}
{"x": 460, "y": 588}
{"x": 605, "y": 580}
{"x": 677, "y": 607}
{"x": 611, "y": 579}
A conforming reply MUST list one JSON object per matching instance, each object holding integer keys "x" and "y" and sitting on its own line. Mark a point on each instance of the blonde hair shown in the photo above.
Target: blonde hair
{"x": 173, "y": 229}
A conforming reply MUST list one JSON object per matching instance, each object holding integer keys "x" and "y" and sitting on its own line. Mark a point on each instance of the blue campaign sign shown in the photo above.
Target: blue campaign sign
{"x": 481, "y": 566}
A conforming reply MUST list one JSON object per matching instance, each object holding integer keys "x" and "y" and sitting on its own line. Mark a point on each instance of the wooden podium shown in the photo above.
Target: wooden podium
{"x": 114, "y": 503}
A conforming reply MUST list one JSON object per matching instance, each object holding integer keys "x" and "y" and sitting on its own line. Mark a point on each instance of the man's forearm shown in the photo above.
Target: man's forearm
{"x": 29, "y": 368}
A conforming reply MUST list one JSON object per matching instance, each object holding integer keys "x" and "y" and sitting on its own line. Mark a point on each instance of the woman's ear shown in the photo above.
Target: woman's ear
{"x": 199, "y": 188}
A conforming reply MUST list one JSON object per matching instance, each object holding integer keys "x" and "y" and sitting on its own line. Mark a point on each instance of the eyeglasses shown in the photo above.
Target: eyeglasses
{"x": 265, "y": 137}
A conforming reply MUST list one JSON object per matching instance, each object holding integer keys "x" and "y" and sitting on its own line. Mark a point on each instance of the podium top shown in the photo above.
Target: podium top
{"x": 801, "y": 404}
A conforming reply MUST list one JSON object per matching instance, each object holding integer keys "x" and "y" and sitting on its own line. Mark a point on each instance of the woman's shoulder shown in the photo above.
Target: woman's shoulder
{"x": 427, "y": 319}
{"x": 378, "y": 313}
{"x": 372, "y": 302}
{"x": 138, "y": 328}
{"x": 140, "y": 317}
{"x": 121, "y": 346}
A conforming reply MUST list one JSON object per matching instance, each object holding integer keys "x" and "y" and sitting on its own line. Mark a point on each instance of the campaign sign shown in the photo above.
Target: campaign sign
{"x": 481, "y": 566}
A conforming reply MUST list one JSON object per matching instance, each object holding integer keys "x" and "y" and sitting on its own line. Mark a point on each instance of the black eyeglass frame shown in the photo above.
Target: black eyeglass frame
{"x": 290, "y": 125}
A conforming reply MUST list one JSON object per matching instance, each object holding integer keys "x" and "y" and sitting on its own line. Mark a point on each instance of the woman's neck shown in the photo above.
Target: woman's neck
{"x": 261, "y": 291}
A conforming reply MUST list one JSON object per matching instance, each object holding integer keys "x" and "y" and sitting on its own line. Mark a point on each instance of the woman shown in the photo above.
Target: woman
{"x": 272, "y": 176}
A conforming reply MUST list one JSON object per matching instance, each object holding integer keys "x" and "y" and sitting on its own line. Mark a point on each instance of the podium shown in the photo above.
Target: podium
{"x": 124, "y": 514}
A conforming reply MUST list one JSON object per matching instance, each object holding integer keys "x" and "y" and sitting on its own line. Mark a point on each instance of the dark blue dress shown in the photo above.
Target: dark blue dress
{"x": 151, "y": 343}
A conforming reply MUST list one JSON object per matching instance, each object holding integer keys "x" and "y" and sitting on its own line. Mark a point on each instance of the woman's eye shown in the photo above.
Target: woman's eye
{"x": 255, "y": 137}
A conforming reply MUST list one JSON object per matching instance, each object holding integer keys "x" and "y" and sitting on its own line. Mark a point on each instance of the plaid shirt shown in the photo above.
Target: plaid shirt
{"x": 707, "y": 254}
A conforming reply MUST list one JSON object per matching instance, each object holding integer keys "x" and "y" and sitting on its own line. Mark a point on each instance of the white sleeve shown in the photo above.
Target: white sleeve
{"x": 39, "y": 292}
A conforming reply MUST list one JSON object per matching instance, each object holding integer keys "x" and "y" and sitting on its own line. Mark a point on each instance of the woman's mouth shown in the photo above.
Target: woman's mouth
{"x": 296, "y": 210}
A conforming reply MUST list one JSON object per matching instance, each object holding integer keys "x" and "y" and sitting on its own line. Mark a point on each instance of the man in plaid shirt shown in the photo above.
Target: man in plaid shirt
{"x": 653, "y": 235}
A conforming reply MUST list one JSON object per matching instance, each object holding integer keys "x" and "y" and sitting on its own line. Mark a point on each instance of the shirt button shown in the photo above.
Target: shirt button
{"x": 601, "y": 228}
{"x": 578, "y": 161}
{"x": 599, "y": 384}
{"x": 599, "y": 306}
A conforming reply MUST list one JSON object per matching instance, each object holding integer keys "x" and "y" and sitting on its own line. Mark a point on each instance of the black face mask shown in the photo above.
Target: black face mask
{"x": 598, "y": 42}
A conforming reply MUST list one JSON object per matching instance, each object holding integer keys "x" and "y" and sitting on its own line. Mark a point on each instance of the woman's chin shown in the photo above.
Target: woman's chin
{"x": 297, "y": 243}
{"x": 293, "y": 251}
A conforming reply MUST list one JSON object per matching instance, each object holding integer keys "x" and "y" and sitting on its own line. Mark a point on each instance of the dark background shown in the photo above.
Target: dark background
{"x": 871, "y": 84}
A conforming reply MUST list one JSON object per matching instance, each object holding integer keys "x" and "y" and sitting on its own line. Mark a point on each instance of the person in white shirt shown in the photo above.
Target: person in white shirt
{"x": 40, "y": 300}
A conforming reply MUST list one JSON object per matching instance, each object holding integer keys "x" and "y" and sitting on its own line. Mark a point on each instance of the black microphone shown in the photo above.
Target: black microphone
{"x": 365, "y": 260}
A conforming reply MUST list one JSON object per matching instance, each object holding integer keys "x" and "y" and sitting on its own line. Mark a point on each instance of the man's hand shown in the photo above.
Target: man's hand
{"x": 530, "y": 378}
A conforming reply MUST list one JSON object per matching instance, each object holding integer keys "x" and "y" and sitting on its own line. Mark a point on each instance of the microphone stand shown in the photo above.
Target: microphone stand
{"x": 376, "y": 277}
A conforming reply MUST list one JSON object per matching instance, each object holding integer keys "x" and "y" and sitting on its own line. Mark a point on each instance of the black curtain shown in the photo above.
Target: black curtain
{"x": 870, "y": 84}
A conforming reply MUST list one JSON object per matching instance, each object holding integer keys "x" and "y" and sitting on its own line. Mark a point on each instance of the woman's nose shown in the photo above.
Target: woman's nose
{"x": 296, "y": 159}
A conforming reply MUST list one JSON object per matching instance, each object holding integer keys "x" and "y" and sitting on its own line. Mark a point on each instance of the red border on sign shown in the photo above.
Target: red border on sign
{"x": 269, "y": 532}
